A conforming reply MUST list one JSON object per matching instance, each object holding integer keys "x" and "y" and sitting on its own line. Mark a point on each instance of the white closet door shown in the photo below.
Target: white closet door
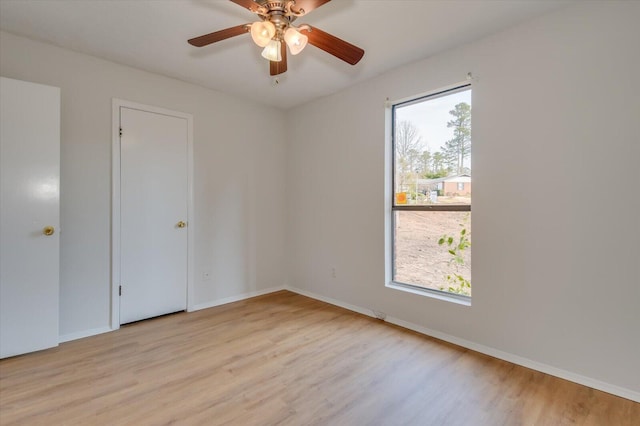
{"x": 153, "y": 215}
{"x": 29, "y": 204}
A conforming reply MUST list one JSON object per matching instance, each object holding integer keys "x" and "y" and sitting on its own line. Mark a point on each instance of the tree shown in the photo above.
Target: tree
{"x": 425, "y": 162}
{"x": 458, "y": 149}
{"x": 407, "y": 139}
{"x": 408, "y": 145}
{"x": 438, "y": 162}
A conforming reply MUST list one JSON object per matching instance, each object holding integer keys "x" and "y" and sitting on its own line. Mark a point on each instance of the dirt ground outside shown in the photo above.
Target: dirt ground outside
{"x": 419, "y": 260}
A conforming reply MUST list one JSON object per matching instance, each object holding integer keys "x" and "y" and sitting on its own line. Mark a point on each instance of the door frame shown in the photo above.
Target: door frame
{"x": 115, "y": 202}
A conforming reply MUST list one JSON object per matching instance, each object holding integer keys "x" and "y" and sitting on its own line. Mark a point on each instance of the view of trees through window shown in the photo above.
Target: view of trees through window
{"x": 432, "y": 192}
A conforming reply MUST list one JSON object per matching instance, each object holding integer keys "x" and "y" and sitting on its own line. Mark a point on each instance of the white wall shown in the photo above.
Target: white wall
{"x": 239, "y": 178}
{"x": 556, "y": 236}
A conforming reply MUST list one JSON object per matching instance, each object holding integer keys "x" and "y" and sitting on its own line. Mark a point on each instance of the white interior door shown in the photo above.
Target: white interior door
{"x": 153, "y": 214}
{"x": 29, "y": 202}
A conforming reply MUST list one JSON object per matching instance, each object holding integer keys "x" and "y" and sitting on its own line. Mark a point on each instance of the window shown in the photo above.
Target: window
{"x": 431, "y": 194}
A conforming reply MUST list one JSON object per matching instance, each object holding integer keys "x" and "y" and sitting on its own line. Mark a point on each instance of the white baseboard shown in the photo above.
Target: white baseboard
{"x": 85, "y": 333}
{"x": 95, "y": 331}
{"x": 506, "y": 356}
{"x": 235, "y": 298}
{"x": 354, "y": 308}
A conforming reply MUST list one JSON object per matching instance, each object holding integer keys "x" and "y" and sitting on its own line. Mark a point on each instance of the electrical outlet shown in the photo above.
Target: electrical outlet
{"x": 333, "y": 272}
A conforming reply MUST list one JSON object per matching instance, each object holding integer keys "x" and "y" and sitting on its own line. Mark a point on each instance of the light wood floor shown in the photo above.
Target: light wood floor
{"x": 286, "y": 359}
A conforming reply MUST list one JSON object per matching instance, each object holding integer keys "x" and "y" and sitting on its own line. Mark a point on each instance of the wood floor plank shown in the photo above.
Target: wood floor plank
{"x": 284, "y": 359}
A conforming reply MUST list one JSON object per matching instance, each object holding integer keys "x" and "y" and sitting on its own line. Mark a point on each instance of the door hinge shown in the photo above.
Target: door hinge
{"x": 120, "y": 131}
{"x": 119, "y": 290}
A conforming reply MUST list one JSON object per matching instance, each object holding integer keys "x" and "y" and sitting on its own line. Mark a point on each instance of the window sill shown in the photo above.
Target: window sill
{"x": 434, "y": 294}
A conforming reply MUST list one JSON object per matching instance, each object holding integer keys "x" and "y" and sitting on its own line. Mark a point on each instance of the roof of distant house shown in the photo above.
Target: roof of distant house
{"x": 463, "y": 178}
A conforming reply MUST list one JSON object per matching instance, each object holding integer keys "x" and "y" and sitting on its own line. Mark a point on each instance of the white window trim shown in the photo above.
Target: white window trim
{"x": 388, "y": 204}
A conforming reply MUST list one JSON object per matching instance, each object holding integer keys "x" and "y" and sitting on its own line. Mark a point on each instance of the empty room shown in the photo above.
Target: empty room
{"x": 256, "y": 212}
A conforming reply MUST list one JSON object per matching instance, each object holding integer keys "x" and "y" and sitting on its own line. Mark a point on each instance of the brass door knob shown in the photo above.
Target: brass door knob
{"x": 181, "y": 224}
{"x": 48, "y": 230}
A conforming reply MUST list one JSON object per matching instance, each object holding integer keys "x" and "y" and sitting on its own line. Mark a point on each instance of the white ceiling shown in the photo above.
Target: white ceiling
{"x": 152, "y": 35}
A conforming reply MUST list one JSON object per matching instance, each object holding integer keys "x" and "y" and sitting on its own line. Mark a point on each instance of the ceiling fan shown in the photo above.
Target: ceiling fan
{"x": 275, "y": 31}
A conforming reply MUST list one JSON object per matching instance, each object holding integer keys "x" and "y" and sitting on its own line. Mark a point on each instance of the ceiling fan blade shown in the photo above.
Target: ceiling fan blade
{"x": 248, "y": 4}
{"x": 333, "y": 45}
{"x": 206, "y": 39}
{"x": 276, "y": 68}
{"x": 308, "y": 5}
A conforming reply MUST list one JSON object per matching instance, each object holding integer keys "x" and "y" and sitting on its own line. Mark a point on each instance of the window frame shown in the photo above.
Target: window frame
{"x": 392, "y": 207}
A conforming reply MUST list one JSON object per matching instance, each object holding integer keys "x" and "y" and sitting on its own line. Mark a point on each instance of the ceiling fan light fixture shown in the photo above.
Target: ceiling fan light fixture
{"x": 295, "y": 40}
{"x": 272, "y": 51}
{"x": 262, "y": 32}
{"x": 274, "y": 31}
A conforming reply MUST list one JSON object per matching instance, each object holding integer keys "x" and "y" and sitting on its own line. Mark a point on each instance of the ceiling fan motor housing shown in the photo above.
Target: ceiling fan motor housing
{"x": 281, "y": 13}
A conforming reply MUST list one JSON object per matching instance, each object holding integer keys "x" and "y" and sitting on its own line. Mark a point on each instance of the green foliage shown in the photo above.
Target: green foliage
{"x": 436, "y": 175}
{"x": 456, "y": 247}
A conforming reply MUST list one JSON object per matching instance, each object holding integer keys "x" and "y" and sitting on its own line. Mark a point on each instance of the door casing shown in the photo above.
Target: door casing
{"x": 116, "y": 205}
